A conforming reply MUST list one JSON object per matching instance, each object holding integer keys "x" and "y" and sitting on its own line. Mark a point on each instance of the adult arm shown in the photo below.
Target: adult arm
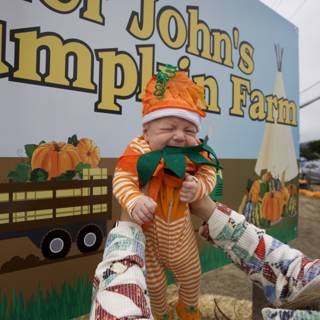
{"x": 283, "y": 272}
{"x": 119, "y": 288}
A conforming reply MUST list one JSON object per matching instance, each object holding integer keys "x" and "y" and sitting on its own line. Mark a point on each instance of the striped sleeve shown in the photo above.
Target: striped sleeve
{"x": 125, "y": 184}
{"x": 126, "y": 189}
{"x": 206, "y": 176}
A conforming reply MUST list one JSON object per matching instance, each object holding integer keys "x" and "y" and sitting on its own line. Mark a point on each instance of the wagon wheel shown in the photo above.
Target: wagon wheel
{"x": 89, "y": 238}
{"x": 56, "y": 244}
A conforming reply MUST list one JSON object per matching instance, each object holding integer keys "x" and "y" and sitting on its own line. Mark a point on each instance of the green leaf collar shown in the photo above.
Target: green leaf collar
{"x": 175, "y": 160}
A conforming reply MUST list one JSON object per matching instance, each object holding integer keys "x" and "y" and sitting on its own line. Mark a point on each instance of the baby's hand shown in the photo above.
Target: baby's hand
{"x": 143, "y": 210}
{"x": 189, "y": 189}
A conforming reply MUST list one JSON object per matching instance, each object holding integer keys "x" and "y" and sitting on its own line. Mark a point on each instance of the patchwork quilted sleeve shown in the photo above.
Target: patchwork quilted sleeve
{"x": 119, "y": 287}
{"x": 280, "y": 270}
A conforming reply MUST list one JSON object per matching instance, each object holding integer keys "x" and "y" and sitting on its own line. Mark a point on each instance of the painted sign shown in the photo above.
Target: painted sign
{"x": 72, "y": 74}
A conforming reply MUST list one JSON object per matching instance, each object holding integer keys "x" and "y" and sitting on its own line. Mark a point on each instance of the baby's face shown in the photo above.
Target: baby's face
{"x": 170, "y": 131}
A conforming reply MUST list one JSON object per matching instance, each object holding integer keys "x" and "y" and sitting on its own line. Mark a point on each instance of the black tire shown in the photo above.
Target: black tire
{"x": 56, "y": 244}
{"x": 89, "y": 239}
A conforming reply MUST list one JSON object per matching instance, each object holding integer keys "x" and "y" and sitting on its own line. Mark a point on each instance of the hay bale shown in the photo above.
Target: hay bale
{"x": 216, "y": 306}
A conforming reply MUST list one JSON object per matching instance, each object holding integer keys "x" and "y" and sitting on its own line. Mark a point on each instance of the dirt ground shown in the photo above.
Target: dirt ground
{"x": 229, "y": 281}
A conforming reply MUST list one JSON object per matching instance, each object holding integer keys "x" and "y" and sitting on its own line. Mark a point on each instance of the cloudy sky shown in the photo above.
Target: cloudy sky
{"x": 305, "y": 15}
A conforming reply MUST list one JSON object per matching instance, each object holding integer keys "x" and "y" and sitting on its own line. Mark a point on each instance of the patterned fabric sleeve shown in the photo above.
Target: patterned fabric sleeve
{"x": 280, "y": 270}
{"x": 119, "y": 287}
{"x": 287, "y": 314}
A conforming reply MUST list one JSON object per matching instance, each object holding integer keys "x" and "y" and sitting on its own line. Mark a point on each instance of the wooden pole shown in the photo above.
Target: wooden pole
{"x": 258, "y": 302}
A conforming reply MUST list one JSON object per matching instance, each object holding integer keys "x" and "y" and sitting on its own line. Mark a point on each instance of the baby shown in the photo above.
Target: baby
{"x": 170, "y": 119}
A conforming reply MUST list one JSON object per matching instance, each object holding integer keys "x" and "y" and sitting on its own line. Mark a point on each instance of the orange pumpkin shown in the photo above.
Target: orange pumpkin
{"x": 254, "y": 191}
{"x": 272, "y": 205}
{"x": 309, "y": 193}
{"x": 88, "y": 152}
{"x": 55, "y": 158}
{"x": 303, "y": 192}
{"x": 285, "y": 195}
{"x": 306, "y": 193}
{"x": 316, "y": 194}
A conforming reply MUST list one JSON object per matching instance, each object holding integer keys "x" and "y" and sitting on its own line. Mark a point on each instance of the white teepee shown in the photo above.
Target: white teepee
{"x": 277, "y": 154}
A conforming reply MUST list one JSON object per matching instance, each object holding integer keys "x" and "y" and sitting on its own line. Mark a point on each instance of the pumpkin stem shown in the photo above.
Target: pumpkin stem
{"x": 56, "y": 147}
{"x": 73, "y": 140}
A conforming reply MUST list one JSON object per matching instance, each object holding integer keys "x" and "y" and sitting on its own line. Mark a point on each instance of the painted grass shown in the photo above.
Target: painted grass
{"x": 72, "y": 301}
{"x": 286, "y": 230}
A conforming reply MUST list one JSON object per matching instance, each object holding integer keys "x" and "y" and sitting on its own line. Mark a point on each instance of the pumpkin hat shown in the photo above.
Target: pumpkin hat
{"x": 172, "y": 93}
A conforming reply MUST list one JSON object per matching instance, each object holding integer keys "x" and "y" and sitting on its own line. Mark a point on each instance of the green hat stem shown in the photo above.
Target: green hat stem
{"x": 162, "y": 78}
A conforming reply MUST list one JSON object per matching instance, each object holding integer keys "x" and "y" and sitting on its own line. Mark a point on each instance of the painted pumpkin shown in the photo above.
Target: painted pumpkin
{"x": 272, "y": 205}
{"x": 285, "y": 195}
{"x": 55, "y": 158}
{"x": 255, "y": 191}
{"x": 88, "y": 152}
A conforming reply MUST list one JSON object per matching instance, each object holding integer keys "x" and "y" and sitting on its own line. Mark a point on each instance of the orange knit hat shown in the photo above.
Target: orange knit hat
{"x": 181, "y": 98}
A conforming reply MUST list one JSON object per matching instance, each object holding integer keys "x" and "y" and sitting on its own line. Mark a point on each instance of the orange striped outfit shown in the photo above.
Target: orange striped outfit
{"x": 170, "y": 239}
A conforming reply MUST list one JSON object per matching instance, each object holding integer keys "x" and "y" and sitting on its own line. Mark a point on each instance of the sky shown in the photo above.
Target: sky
{"x": 305, "y": 15}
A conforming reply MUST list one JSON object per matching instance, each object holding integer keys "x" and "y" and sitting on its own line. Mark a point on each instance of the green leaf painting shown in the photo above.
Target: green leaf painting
{"x": 21, "y": 173}
{"x": 68, "y": 175}
{"x": 38, "y": 175}
{"x": 79, "y": 168}
{"x": 29, "y": 149}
